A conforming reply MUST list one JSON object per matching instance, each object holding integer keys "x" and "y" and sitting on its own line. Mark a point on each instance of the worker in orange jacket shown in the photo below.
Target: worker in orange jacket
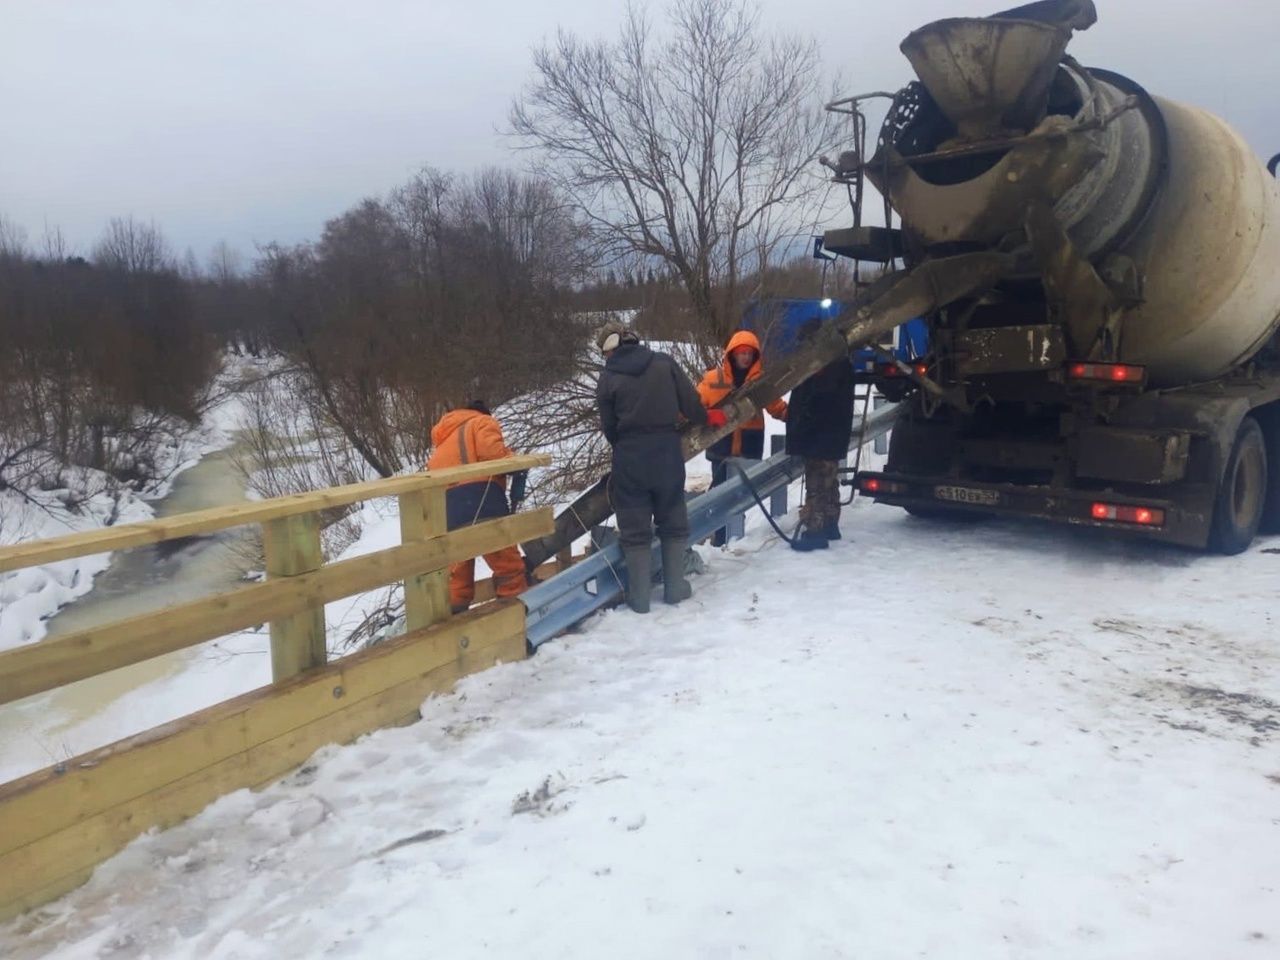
{"x": 741, "y": 365}
{"x": 470, "y": 434}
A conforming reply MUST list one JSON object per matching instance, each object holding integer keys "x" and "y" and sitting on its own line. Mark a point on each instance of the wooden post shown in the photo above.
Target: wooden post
{"x": 292, "y": 546}
{"x": 564, "y": 559}
{"x": 426, "y": 597}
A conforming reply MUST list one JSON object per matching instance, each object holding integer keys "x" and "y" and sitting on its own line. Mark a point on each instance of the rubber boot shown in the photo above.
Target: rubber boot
{"x": 639, "y": 561}
{"x": 832, "y": 530}
{"x": 810, "y": 540}
{"x": 675, "y": 588}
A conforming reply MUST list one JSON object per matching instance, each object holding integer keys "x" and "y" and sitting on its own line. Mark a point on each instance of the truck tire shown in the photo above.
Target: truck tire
{"x": 1270, "y": 420}
{"x": 1242, "y": 495}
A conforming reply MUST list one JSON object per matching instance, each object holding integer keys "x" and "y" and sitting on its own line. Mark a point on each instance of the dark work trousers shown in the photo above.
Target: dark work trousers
{"x": 647, "y": 488}
{"x": 752, "y": 449}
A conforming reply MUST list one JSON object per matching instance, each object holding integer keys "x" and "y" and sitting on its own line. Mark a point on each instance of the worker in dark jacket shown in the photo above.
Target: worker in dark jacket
{"x": 643, "y": 398}
{"x": 819, "y": 427}
{"x": 470, "y": 434}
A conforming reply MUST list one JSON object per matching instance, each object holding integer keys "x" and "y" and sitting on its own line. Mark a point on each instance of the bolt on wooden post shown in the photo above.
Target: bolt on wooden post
{"x": 292, "y": 546}
{"x": 426, "y": 597}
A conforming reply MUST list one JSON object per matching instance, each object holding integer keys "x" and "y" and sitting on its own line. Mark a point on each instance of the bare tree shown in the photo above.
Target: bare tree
{"x": 55, "y": 247}
{"x": 692, "y": 149}
{"x": 133, "y": 246}
{"x": 13, "y": 239}
{"x": 455, "y": 287}
{"x": 225, "y": 264}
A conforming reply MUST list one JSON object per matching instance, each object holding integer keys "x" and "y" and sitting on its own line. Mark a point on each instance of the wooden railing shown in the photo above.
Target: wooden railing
{"x": 58, "y": 823}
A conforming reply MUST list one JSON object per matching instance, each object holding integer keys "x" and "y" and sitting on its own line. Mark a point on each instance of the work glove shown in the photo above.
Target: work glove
{"x": 519, "y": 481}
{"x": 716, "y": 419}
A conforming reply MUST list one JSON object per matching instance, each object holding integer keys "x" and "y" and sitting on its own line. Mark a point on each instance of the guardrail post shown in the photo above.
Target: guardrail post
{"x": 778, "y": 499}
{"x": 292, "y": 546}
{"x": 426, "y": 597}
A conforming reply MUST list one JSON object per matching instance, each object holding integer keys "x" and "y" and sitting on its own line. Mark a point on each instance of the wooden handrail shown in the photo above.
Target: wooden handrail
{"x": 57, "y": 824}
{"x": 199, "y": 522}
{"x": 37, "y": 667}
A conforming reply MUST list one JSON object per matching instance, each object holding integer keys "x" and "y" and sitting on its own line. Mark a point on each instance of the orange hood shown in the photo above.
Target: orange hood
{"x": 743, "y": 338}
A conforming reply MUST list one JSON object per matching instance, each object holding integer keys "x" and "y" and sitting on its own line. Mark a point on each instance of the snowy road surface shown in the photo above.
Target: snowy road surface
{"x": 999, "y": 741}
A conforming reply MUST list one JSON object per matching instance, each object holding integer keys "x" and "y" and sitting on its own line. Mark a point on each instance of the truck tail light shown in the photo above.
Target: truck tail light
{"x": 919, "y": 367}
{"x": 1107, "y": 372}
{"x": 871, "y": 486}
{"x": 1117, "y": 513}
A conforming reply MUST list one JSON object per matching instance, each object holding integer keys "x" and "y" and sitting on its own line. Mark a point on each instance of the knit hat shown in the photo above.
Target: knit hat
{"x": 613, "y": 334}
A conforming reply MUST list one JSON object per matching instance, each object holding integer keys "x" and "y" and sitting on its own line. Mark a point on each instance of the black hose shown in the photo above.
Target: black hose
{"x": 755, "y": 494}
{"x": 1275, "y": 162}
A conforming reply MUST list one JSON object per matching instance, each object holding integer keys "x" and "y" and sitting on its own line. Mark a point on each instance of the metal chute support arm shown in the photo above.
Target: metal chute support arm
{"x": 888, "y": 303}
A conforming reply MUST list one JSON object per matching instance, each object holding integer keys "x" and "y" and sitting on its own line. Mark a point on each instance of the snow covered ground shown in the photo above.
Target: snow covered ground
{"x": 996, "y": 741}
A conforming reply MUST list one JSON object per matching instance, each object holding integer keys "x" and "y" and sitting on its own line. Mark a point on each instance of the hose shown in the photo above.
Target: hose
{"x": 1274, "y": 164}
{"x": 755, "y": 495}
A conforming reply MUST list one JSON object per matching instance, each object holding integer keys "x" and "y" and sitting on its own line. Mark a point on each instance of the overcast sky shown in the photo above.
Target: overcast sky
{"x": 257, "y": 121}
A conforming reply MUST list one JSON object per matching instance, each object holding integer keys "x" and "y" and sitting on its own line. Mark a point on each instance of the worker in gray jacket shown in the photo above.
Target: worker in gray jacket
{"x": 643, "y": 397}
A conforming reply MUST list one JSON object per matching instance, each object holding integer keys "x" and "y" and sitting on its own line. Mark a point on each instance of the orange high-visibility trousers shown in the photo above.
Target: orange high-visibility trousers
{"x": 508, "y": 576}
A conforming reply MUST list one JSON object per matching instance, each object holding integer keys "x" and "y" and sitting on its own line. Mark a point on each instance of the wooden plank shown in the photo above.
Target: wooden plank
{"x": 53, "y": 863}
{"x": 37, "y": 667}
{"x": 292, "y": 547}
{"x": 221, "y": 518}
{"x": 426, "y": 597}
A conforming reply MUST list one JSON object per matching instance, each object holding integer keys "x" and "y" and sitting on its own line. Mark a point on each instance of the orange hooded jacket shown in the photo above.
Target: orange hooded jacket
{"x": 718, "y": 383}
{"x": 467, "y": 436}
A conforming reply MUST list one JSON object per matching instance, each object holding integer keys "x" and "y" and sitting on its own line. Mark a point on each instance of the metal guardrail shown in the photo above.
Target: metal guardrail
{"x": 597, "y": 582}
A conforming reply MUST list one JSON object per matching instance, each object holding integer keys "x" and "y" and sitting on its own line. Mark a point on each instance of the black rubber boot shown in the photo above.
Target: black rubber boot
{"x": 831, "y": 531}
{"x": 810, "y": 540}
{"x": 675, "y": 588}
{"x": 639, "y": 561}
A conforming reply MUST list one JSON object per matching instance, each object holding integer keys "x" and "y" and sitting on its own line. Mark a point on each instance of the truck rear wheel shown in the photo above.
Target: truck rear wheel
{"x": 1269, "y": 417}
{"x": 1242, "y": 496}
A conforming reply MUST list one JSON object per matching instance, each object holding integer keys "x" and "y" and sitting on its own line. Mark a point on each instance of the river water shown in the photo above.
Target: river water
{"x": 142, "y": 580}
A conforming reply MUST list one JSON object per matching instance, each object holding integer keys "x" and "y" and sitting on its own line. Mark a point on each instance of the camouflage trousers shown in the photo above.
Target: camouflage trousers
{"x": 821, "y": 494}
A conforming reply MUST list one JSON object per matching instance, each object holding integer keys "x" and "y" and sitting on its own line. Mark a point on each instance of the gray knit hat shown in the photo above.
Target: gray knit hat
{"x": 613, "y": 334}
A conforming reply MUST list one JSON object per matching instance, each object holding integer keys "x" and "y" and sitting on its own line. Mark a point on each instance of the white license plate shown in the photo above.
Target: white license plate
{"x": 985, "y": 498}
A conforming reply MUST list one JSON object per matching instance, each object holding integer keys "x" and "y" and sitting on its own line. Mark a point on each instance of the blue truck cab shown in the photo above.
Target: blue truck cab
{"x": 778, "y": 322}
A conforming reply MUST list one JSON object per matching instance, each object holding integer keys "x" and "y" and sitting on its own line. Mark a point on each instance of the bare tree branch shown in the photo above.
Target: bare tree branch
{"x": 694, "y": 150}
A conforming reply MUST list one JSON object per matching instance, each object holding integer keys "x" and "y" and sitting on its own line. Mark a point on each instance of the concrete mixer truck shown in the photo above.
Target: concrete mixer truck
{"x": 1124, "y": 370}
{"x": 1099, "y": 269}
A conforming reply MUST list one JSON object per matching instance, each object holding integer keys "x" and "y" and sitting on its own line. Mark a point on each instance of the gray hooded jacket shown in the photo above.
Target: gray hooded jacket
{"x": 644, "y": 392}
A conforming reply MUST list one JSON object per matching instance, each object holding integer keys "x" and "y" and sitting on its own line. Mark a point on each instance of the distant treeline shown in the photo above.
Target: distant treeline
{"x": 450, "y": 288}
{"x": 97, "y": 356}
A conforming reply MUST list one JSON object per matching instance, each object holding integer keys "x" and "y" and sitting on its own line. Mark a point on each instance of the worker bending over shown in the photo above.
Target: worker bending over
{"x": 470, "y": 434}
